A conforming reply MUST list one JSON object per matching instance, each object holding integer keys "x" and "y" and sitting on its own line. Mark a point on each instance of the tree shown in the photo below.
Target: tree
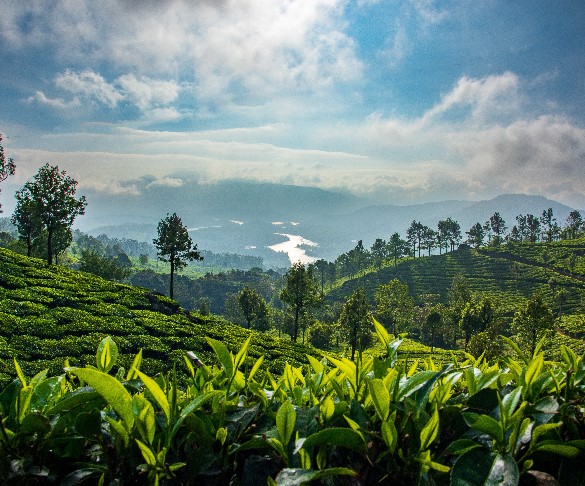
{"x": 532, "y": 321}
{"x": 355, "y": 320}
{"x": 300, "y": 293}
{"x": 476, "y": 234}
{"x": 7, "y": 166}
{"x": 92, "y": 261}
{"x": 549, "y": 222}
{"x": 50, "y": 198}
{"x": 475, "y": 317}
{"x": 449, "y": 232}
{"x": 532, "y": 228}
{"x": 522, "y": 227}
{"x": 414, "y": 236}
{"x": 394, "y": 305}
{"x": 498, "y": 227}
{"x": 397, "y": 247}
{"x": 321, "y": 335}
{"x": 432, "y": 324}
{"x": 429, "y": 239}
{"x": 574, "y": 224}
{"x": 174, "y": 245}
{"x": 254, "y": 309}
{"x": 26, "y": 220}
{"x": 379, "y": 251}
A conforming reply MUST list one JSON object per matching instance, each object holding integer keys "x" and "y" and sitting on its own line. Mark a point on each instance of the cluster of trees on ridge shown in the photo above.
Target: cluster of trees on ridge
{"x": 46, "y": 208}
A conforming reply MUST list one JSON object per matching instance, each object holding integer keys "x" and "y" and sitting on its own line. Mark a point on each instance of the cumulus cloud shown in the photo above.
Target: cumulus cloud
{"x": 153, "y": 97}
{"x": 228, "y": 48}
{"x": 59, "y": 103}
{"x": 543, "y": 155}
{"x": 90, "y": 85}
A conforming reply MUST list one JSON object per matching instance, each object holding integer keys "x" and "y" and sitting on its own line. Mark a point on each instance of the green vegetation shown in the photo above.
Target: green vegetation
{"x": 52, "y": 313}
{"x": 354, "y": 422}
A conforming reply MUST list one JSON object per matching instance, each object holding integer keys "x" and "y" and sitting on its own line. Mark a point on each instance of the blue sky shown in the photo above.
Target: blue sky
{"x": 401, "y": 101}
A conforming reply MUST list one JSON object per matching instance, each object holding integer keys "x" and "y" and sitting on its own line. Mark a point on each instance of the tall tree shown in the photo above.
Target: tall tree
{"x": 26, "y": 220}
{"x": 476, "y": 234}
{"x": 429, "y": 239}
{"x": 522, "y": 227}
{"x": 394, "y": 305}
{"x": 450, "y": 232}
{"x": 532, "y": 228}
{"x": 7, "y": 166}
{"x": 300, "y": 293}
{"x": 355, "y": 320}
{"x": 549, "y": 223}
{"x": 574, "y": 223}
{"x": 531, "y": 321}
{"x": 51, "y": 198}
{"x": 379, "y": 251}
{"x": 174, "y": 245}
{"x": 414, "y": 236}
{"x": 254, "y": 309}
{"x": 397, "y": 247}
{"x": 475, "y": 317}
{"x": 498, "y": 227}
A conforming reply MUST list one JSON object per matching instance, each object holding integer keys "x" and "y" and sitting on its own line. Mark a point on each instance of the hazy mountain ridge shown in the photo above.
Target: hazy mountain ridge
{"x": 239, "y": 217}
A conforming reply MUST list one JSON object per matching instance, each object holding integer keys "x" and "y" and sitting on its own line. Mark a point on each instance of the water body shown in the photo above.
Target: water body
{"x": 293, "y": 248}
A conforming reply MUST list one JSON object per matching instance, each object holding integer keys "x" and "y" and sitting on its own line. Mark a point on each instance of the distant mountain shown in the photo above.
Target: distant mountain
{"x": 247, "y": 217}
{"x": 200, "y": 204}
{"x": 509, "y": 206}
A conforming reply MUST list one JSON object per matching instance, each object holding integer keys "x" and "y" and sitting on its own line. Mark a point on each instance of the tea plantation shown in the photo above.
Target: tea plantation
{"x": 48, "y": 314}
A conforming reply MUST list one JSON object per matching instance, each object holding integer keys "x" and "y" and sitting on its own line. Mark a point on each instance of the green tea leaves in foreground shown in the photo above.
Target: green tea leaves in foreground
{"x": 110, "y": 389}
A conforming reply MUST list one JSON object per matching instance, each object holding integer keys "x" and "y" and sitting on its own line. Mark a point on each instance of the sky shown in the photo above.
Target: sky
{"x": 399, "y": 101}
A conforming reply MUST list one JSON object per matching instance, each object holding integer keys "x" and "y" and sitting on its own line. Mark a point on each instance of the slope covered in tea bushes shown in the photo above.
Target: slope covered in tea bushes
{"x": 48, "y": 314}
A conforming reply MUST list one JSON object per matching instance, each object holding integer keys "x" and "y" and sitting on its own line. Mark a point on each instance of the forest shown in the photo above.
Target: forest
{"x": 430, "y": 358}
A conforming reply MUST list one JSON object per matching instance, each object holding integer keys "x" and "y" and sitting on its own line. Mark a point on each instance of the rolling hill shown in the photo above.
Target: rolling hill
{"x": 49, "y": 314}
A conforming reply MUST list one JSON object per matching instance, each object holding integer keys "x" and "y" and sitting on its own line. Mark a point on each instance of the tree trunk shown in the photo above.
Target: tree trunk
{"x": 296, "y": 329}
{"x": 172, "y": 275}
{"x": 50, "y": 246}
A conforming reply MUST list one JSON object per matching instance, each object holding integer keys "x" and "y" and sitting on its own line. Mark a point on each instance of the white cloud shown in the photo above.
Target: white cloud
{"x": 58, "y": 103}
{"x": 487, "y": 97}
{"x": 146, "y": 92}
{"x": 166, "y": 182}
{"x": 230, "y": 49}
{"x": 91, "y": 85}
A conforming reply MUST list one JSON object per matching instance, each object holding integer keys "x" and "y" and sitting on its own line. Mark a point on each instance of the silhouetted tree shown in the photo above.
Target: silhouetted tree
{"x": 300, "y": 293}
{"x": 532, "y": 321}
{"x": 7, "y": 166}
{"x": 476, "y": 234}
{"x": 174, "y": 245}
{"x": 355, "y": 320}
{"x": 394, "y": 305}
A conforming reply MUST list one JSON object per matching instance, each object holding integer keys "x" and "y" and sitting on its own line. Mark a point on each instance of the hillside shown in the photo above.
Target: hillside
{"x": 51, "y": 313}
{"x": 509, "y": 273}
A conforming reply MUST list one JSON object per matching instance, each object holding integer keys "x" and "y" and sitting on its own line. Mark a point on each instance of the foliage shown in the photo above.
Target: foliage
{"x": 174, "y": 245}
{"x": 367, "y": 421}
{"x": 355, "y": 322}
{"x": 300, "y": 294}
{"x": 254, "y": 309}
{"x": 47, "y": 203}
{"x": 532, "y": 322}
{"x": 394, "y": 305}
{"x": 7, "y": 166}
{"x": 93, "y": 262}
{"x": 50, "y": 314}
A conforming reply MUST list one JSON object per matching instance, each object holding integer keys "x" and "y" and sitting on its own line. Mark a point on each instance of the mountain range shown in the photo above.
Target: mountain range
{"x": 247, "y": 218}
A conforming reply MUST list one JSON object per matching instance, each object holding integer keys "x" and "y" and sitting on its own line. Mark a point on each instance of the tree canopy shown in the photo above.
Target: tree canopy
{"x": 174, "y": 245}
{"x": 47, "y": 204}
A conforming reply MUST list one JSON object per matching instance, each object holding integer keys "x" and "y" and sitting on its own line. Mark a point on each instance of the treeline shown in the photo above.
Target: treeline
{"x": 421, "y": 240}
